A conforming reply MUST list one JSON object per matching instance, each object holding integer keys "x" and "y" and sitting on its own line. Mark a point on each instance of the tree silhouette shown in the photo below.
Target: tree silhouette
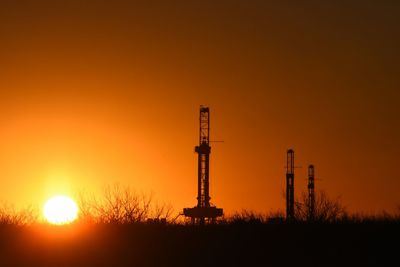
{"x": 121, "y": 205}
{"x": 326, "y": 209}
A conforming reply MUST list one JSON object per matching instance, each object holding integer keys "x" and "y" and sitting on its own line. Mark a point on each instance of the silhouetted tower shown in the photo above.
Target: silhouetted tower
{"x": 204, "y": 210}
{"x": 311, "y": 192}
{"x": 203, "y": 150}
{"x": 290, "y": 185}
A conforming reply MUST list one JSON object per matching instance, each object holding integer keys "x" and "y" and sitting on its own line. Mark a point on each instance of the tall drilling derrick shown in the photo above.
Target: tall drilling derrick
{"x": 204, "y": 210}
{"x": 290, "y": 185}
{"x": 203, "y": 150}
{"x": 311, "y": 193}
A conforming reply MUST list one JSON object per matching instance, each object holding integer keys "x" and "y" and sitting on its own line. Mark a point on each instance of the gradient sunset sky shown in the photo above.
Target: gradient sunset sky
{"x": 94, "y": 93}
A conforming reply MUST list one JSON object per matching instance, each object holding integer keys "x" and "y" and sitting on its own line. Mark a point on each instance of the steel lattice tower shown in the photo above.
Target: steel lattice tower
{"x": 203, "y": 150}
{"x": 290, "y": 185}
{"x": 204, "y": 210}
{"x": 311, "y": 192}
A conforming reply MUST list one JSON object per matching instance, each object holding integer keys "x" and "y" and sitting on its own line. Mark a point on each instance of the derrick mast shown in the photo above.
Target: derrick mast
{"x": 311, "y": 192}
{"x": 290, "y": 185}
{"x": 204, "y": 210}
{"x": 203, "y": 150}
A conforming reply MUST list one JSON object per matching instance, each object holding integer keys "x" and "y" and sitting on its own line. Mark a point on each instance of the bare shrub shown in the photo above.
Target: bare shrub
{"x": 162, "y": 211}
{"x": 326, "y": 209}
{"x": 121, "y": 205}
{"x": 246, "y": 216}
{"x": 380, "y": 217}
{"x": 11, "y": 216}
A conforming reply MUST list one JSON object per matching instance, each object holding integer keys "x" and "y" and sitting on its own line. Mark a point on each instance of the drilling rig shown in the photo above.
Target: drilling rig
{"x": 311, "y": 193}
{"x": 290, "y": 185}
{"x": 204, "y": 211}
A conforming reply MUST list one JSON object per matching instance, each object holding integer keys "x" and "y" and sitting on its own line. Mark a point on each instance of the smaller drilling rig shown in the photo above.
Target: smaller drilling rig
{"x": 204, "y": 211}
{"x": 311, "y": 193}
{"x": 290, "y": 185}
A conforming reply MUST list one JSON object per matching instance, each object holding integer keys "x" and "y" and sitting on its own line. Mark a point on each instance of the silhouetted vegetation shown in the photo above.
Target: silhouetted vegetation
{"x": 246, "y": 241}
{"x": 119, "y": 229}
{"x": 121, "y": 205}
{"x": 11, "y": 216}
{"x": 325, "y": 209}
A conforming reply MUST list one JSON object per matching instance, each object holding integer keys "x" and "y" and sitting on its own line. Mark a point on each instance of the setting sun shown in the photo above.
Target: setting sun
{"x": 60, "y": 210}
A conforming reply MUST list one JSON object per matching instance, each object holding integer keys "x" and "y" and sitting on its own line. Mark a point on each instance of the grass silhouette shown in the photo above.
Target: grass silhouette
{"x": 116, "y": 231}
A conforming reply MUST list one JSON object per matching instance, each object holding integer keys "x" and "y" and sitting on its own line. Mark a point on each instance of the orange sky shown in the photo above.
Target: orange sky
{"x": 98, "y": 92}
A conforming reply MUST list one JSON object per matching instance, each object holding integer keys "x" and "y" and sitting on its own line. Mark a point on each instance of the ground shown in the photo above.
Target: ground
{"x": 241, "y": 244}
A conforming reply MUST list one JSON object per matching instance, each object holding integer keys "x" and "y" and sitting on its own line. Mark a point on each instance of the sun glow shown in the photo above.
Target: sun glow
{"x": 60, "y": 210}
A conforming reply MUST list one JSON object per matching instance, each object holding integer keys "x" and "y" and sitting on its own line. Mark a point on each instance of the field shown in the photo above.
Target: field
{"x": 367, "y": 243}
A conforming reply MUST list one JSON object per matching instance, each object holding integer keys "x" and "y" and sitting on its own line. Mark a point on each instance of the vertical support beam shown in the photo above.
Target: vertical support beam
{"x": 311, "y": 192}
{"x": 290, "y": 185}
